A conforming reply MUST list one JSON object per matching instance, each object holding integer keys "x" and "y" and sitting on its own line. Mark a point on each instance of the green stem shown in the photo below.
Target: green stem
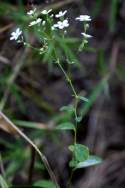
{"x": 76, "y": 117}
{"x": 74, "y": 94}
{"x": 70, "y": 179}
{"x": 67, "y": 78}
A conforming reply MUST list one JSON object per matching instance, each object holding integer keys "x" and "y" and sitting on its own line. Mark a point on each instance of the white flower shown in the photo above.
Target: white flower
{"x": 43, "y": 22}
{"x": 60, "y": 14}
{"x": 46, "y": 11}
{"x": 51, "y": 15}
{"x": 53, "y": 27}
{"x": 35, "y": 22}
{"x": 31, "y": 12}
{"x": 86, "y": 35}
{"x": 84, "y": 18}
{"x": 61, "y": 24}
{"x": 15, "y": 35}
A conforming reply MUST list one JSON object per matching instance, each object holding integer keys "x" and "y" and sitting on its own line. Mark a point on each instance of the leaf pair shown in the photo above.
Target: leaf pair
{"x": 81, "y": 158}
{"x": 80, "y": 154}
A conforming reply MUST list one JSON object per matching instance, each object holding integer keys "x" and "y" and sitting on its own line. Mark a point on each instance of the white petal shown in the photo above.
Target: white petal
{"x": 83, "y": 18}
{"x": 86, "y": 35}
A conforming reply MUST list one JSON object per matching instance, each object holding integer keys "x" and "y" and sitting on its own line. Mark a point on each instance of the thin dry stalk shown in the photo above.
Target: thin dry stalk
{"x": 42, "y": 156}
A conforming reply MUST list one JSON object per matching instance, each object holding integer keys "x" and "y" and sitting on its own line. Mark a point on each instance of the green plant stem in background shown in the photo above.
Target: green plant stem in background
{"x": 113, "y": 14}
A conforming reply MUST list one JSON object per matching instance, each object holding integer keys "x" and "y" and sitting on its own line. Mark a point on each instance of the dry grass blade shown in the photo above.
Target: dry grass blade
{"x": 58, "y": 5}
{"x": 4, "y": 125}
{"x": 5, "y": 28}
{"x": 43, "y": 158}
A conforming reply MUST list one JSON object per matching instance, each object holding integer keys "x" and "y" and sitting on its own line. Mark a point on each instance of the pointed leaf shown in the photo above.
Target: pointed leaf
{"x": 3, "y": 183}
{"x": 91, "y": 161}
{"x": 69, "y": 108}
{"x": 45, "y": 184}
{"x": 66, "y": 126}
{"x": 83, "y": 98}
{"x": 73, "y": 163}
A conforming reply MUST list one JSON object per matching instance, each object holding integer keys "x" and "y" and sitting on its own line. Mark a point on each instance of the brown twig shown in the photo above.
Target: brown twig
{"x": 114, "y": 56}
{"x": 5, "y": 28}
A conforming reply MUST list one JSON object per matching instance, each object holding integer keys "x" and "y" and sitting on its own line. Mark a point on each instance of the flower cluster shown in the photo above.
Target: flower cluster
{"x": 37, "y": 21}
{"x": 61, "y": 24}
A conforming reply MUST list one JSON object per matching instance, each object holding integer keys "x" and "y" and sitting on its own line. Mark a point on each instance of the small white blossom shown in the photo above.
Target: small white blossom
{"x": 15, "y": 35}
{"x": 35, "y": 22}
{"x": 43, "y": 22}
{"x": 86, "y": 35}
{"x": 31, "y": 12}
{"x": 53, "y": 27}
{"x": 84, "y": 18}
{"x": 46, "y": 11}
{"x": 51, "y": 15}
{"x": 60, "y": 14}
{"x": 61, "y": 24}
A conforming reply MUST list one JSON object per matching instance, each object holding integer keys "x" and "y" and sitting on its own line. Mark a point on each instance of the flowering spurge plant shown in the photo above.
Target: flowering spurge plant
{"x": 56, "y": 48}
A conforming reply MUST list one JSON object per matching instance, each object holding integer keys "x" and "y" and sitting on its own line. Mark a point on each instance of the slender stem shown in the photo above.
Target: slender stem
{"x": 70, "y": 179}
{"x": 74, "y": 93}
{"x": 42, "y": 156}
{"x": 75, "y": 110}
{"x": 67, "y": 78}
{"x": 76, "y": 119}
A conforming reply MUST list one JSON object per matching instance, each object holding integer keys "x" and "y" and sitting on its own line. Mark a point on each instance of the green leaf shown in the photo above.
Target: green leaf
{"x": 83, "y": 98}
{"x": 28, "y": 124}
{"x": 121, "y": 71}
{"x": 66, "y": 126}
{"x": 113, "y": 14}
{"x": 69, "y": 108}
{"x": 45, "y": 184}
{"x": 101, "y": 65}
{"x": 73, "y": 163}
{"x": 96, "y": 7}
{"x": 91, "y": 161}
{"x": 26, "y": 186}
{"x": 70, "y": 40}
{"x": 3, "y": 183}
{"x": 81, "y": 152}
